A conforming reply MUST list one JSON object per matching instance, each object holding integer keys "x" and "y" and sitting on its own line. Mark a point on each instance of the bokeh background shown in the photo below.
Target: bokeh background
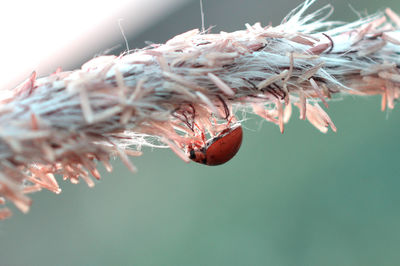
{"x": 301, "y": 198}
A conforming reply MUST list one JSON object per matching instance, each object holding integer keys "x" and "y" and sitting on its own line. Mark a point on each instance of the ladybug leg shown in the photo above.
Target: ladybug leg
{"x": 186, "y": 114}
{"x": 272, "y": 92}
{"x": 203, "y": 135}
{"x": 193, "y": 146}
{"x": 193, "y": 116}
{"x": 281, "y": 93}
{"x": 227, "y": 129}
{"x": 229, "y": 122}
{"x": 253, "y": 86}
{"x": 226, "y": 109}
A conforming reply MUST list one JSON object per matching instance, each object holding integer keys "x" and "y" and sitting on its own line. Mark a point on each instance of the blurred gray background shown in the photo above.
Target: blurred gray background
{"x": 301, "y": 198}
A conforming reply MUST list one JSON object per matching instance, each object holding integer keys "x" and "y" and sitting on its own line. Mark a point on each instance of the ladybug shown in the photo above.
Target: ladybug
{"x": 219, "y": 149}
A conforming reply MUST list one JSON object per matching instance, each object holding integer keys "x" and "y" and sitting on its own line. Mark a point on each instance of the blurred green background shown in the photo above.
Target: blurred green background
{"x": 301, "y": 198}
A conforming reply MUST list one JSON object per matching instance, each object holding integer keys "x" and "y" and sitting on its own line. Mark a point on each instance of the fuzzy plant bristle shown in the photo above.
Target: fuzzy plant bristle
{"x": 169, "y": 95}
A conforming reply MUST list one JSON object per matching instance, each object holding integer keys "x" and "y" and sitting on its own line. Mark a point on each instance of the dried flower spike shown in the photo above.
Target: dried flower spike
{"x": 168, "y": 95}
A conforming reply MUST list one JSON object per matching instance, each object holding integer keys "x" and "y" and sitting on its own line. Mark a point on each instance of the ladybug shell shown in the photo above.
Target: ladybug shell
{"x": 219, "y": 149}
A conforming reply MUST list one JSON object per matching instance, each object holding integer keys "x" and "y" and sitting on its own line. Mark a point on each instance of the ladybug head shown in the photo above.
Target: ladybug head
{"x": 198, "y": 155}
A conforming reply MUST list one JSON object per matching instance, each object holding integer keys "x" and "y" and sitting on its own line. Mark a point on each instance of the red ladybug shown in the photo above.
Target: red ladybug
{"x": 219, "y": 149}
